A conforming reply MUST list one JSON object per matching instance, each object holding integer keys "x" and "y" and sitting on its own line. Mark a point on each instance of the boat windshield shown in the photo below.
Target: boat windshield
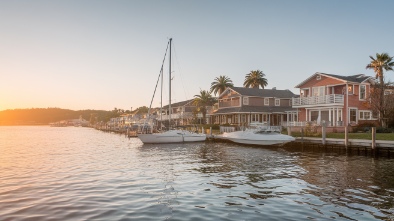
{"x": 266, "y": 132}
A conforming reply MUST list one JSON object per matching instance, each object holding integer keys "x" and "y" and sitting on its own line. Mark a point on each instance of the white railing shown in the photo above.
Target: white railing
{"x": 294, "y": 124}
{"x": 175, "y": 116}
{"x": 312, "y": 123}
{"x": 224, "y": 129}
{"x": 318, "y": 100}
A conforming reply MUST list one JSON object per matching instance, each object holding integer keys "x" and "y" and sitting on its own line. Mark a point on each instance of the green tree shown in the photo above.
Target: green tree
{"x": 142, "y": 110}
{"x": 255, "y": 79}
{"x": 203, "y": 100}
{"x": 382, "y": 62}
{"x": 220, "y": 84}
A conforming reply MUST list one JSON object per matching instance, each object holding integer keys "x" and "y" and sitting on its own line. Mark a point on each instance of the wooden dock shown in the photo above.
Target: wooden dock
{"x": 358, "y": 146}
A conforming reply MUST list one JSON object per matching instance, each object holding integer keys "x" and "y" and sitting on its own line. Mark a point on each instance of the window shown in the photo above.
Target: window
{"x": 243, "y": 118}
{"x": 353, "y": 115}
{"x": 245, "y": 101}
{"x": 318, "y": 77}
{"x": 266, "y": 101}
{"x": 375, "y": 115}
{"x": 265, "y": 118}
{"x": 364, "y": 115}
{"x": 318, "y": 91}
{"x": 350, "y": 89}
{"x": 362, "y": 92}
{"x": 277, "y": 102}
{"x": 305, "y": 92}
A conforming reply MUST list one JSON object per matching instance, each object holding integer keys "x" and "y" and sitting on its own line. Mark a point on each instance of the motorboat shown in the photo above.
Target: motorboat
{"x": 258, "y": 136}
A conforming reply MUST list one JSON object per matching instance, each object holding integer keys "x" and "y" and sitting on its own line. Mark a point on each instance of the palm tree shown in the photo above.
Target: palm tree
{"x": 220, "y": 84}
{"x": 203, "y": 100}
{"x": 255, "y": 79}
{"x": 379, "y": 64}
{"x": 382, "y": 61}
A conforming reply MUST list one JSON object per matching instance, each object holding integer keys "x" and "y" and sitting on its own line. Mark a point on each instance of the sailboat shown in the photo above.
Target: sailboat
{"x": 171, "y": 136}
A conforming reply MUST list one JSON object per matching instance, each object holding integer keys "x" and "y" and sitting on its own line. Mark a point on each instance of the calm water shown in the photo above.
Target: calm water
{"x": 70, "y": 173}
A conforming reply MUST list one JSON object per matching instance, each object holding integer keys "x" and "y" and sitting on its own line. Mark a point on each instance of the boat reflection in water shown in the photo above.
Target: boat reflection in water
{"x": 259, "y": 134}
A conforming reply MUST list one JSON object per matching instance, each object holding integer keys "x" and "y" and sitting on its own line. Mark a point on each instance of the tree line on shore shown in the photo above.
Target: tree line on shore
{"x": 44, "y": 116}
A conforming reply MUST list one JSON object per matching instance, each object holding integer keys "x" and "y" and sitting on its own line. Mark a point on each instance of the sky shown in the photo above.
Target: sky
{"x": 103, "y": 55}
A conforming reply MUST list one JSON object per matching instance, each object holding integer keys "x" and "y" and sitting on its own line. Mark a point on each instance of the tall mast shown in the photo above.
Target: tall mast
{"x": 169, "y": 103}
{"x": 161, "y": 100}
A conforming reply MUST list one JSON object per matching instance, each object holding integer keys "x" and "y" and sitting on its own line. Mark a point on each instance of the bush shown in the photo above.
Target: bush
{"x": 363, "y": 127}
{"x": 384, "y": 130}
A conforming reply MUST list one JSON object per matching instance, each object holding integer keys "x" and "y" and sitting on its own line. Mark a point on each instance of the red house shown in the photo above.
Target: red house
{"x": 334, "y": 99}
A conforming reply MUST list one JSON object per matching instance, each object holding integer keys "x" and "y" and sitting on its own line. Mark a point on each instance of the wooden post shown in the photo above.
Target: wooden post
{"x": 289, "y": 130}
{"x": 323, "y": 133}
{"x": 373, "y": 138}
{"x": 202, "y": 130}
{"x": 210, "y": 131}
{"x": 302, "y": 135}
{"x": 346, "y": 136}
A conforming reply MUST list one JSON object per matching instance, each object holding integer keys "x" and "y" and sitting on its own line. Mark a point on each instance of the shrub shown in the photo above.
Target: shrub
{"x": 363, "y": 127}
{"x": 384, "y": 130}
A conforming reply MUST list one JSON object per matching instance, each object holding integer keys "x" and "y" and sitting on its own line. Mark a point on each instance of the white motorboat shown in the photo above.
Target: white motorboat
{"x": 258, "y": 136}
{"x": 170, "y": 136}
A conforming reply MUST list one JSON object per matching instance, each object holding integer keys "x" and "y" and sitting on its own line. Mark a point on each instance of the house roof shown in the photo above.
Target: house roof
{"x": 182, "y": 103}
{"x": 263, "y": 92}
{"x": 358, "y": 78}
{"x": 255, "y": 109}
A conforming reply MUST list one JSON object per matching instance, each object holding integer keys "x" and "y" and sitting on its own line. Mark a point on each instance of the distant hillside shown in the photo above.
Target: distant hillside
{"x": 37, "y": 116}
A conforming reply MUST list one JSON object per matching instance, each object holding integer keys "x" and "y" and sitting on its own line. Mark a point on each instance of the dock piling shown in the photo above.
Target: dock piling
{"x": 373, "y": 138}
{"x": 346, "y": 136}
{"x": 323, "y": 133}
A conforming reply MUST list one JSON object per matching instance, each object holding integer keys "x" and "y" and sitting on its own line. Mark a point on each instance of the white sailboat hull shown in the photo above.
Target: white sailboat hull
{"x": 173, "y": 136}
{"x": 250, "y": 137}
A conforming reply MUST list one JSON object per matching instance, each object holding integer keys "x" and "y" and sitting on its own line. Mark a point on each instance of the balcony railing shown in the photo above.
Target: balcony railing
{"x": 178, "y": 116}
{"x": 318, "y": 100}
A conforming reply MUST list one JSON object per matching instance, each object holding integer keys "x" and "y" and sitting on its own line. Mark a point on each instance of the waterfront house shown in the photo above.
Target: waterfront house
{"x": 334, "y": 99}
{"x": 241, "y": 106}
{"x": 181, "y": 113}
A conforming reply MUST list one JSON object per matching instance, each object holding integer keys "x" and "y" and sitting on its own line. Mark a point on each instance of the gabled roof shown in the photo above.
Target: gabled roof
{"x": 256, "y": 92}
{"x": 182, "y": 103}
{"x": 358, "y": 78}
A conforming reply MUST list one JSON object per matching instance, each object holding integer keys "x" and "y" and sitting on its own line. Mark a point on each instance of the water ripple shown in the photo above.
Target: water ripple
{"x": 83, "y": 174}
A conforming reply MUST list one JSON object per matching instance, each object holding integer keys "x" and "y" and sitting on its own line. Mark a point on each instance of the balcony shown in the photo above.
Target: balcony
{"x": 318, "y": 100}
{"x": 232, "y": 103}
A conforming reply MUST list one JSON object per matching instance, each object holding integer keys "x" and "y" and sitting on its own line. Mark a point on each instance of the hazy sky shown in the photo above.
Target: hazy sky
{"x": 94, "y": 54}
